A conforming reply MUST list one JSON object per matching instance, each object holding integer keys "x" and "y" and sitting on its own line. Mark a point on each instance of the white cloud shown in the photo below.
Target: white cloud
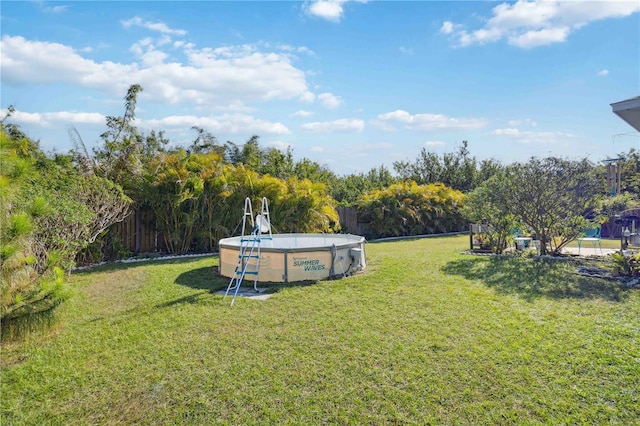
{"x": 38, "y": 62}
{"x": 381, "y": 146}
{"x": 154, "y": 26}
{"x": 329, "y": 100}
{"x": 342, "y": 125}
{"x": 534, "y": 138}
{"x": 331, "y": 10}
{"x": 146, "y": 51}
{"x": 435, "y": 143}
{"x": 288, "y": 48}
{"x": 307, "y": 97}
{"x": 302, "y": 113}
{"x": 535, "y": 38}
{"x": 523, "y": 122}
{"x": 225, "y": 123}
{"x": 447, "y": 27}
{"x": 505, "y": 132}
{"x": 317, "y": 149}
{"x": 210, "y": 77}
{"x": 46, "y": 119}
{"x": 528, "y": 24}
{"x": 280, "y": 145}
{"x": 384, "y": 126}
{"x": 54, "y": 9}
{"x": 431, "y": 121}
{"x": 406, "y": 50}
{"x": 603, "y": 73}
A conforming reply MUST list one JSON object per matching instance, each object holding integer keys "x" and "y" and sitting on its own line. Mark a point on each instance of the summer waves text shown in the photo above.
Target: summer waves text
{"x": 309, "y": 265}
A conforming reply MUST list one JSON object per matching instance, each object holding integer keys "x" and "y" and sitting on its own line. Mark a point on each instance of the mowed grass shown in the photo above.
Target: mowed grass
{"x": 609, "y": 243}
{"x": 426, "y": 335}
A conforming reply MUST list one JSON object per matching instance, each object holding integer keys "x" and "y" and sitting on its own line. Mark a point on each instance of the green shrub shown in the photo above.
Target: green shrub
{"x": 49, "y": 212}
{"x": 407, "y": 208}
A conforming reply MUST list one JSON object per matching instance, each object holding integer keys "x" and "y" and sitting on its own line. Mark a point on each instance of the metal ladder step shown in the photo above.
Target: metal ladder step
{"x": 250, "y": 243}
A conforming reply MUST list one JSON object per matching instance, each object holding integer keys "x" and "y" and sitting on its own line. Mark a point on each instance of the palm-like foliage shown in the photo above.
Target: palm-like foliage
{"x": 407, "y": 208}
{"x": 197, "y": 200}
{"x": 174, "y": 193}
{"x": 304, "y": 206}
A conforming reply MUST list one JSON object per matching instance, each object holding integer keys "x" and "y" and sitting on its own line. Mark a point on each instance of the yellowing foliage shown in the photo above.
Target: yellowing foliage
{"x": 407, "y": 208}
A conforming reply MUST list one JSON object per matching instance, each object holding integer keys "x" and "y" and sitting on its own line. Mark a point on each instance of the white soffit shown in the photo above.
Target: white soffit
{"x": 629, "y": 111}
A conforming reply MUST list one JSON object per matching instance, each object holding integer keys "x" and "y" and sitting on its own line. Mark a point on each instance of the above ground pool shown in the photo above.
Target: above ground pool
{"x": 298, "y": 257}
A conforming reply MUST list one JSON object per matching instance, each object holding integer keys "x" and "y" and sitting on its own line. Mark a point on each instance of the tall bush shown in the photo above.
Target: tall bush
{"x": 551, "y": 197}
{"x": 28, "y": 283}
{"x": 49, "y": 212}
{"x": 296, "y": 205}
{"x": 197, "y": 200}
{"x": 305, "y": 206}
{"x": 175, "y": 184}
{"x": 407, "y": 208}
{"x": 484, "y": 206}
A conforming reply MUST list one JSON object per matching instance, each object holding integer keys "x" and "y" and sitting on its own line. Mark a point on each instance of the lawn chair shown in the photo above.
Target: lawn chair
{"x": 593, "y": 236}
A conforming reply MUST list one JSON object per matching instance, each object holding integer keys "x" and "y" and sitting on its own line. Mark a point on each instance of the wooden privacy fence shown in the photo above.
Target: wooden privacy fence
{"x": 138, "y": 232}
{"x": 349, "y": 220}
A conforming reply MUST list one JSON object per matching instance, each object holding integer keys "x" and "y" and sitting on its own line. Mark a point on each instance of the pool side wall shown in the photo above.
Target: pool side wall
{"x": 295, "y": 264}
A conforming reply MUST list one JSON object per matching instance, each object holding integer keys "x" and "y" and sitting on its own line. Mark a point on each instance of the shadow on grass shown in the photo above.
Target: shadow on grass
{"x": 192, "y": 299}
{"x": 202, "y": 279}
{"x": 208, "y": 279}
{"x": 530, "y": 278}
{"x": 119, "y": 266}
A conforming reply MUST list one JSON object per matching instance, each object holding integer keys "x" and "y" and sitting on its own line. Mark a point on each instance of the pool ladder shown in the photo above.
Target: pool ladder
{"x": 249, "y": 257}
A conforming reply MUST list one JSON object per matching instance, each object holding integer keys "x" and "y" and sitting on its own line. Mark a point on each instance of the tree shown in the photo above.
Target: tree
{"x": 427, "y": 168}
{"x": 610, "y": 206}
{"x": 550, "y": 196}
{"x": 484, "y": 206}
{"x": 250, "y": 154}
{"x": 26, "y": 286}
{"x": 205, "y": 142}
{"x": 347, "y": 189}
{"x": 457, "y": 170}
{"x": 50, "y": 212}
{"x": 81, "y": 208}
{"x": 486, "y": 170}
{"x": 304, "y": 206}
{"x": 225, "y": 190}
{"x": 120, "y": 158}
{"x": 277, "y": 164}
{"x": 307, "y": 169}
{"x": 630, "y": 172}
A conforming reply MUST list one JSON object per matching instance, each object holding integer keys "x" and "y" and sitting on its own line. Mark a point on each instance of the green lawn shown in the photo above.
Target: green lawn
{"x": 425, "y": 335}
{"x": 611, "y": 243}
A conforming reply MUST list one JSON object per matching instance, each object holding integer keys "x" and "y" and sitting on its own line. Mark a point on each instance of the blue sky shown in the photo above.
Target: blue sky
{"x": 348, "y": 84}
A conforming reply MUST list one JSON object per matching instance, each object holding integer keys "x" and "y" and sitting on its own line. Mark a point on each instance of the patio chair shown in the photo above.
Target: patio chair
{"x": 522, "y": 242}
{"x": 592, "y": 235}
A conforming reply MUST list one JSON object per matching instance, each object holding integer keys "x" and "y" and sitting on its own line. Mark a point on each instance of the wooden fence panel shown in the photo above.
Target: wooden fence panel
{"x": 348, "y": 219}
{"x": 150, "y": 240}
{"x": 138, "y": 233}
{"x": 126, "y": 231}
